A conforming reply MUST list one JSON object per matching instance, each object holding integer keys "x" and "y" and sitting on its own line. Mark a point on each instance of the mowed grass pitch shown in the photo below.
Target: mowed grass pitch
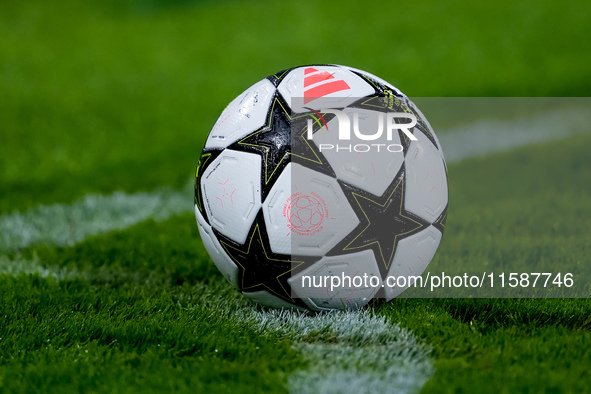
{"x": 121, "y": 98}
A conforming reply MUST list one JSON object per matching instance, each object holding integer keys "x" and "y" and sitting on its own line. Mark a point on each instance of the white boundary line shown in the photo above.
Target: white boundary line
{"x": 485, "y": 137}
{"x": 365, "y": 353}
{"x": 20, "y": 266}
{"x": 67, "y": 224}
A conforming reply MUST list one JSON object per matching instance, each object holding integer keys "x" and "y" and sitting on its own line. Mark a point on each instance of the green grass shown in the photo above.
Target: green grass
{"x": 506, "y": 346}
{"x": 121, "y": 95}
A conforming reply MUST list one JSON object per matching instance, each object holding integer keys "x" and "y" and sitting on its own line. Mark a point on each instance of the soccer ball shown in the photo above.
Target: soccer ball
{"x": 319, "y": 188}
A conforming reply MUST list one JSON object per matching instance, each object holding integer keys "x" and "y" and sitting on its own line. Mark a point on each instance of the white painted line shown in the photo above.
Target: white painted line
{"x": 67, "y": 224}
{"x": 350, "y": 352}
{"x": 486, "y": 137}
{"x": 20, "y": 266}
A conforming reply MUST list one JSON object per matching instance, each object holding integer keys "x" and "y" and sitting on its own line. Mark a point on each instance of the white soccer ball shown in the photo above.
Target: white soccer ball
{"x": 317, "y": 175}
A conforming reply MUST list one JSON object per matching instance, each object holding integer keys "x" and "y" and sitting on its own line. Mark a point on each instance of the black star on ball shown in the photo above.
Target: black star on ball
{"x": 278, "y": 141}
{"x": 383, "y": 222}
{"x": 259, "y": 267}
{"x": 272, "y": 142}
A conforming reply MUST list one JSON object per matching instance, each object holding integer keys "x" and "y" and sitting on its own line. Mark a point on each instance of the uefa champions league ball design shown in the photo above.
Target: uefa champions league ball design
{"x": 317, "y": 186}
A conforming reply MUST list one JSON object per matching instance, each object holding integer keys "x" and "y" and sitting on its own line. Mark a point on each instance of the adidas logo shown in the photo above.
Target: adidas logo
{"x": 319, "y": 84}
